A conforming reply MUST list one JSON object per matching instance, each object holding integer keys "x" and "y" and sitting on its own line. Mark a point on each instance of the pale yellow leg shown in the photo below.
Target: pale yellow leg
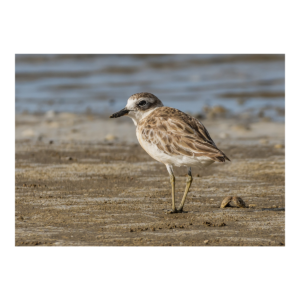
{"x": 172, "y": 180}
{"x": 189, "y": 181}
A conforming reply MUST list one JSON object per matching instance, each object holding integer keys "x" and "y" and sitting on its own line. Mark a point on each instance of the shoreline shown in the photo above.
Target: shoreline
{"x": 84, "y": 180}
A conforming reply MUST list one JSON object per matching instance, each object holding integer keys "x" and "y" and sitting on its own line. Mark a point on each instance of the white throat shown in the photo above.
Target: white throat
{"x": 138, "y": 115}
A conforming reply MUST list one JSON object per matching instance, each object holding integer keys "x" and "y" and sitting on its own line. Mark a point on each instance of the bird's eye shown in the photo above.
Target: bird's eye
{"x": 142, "y": 103}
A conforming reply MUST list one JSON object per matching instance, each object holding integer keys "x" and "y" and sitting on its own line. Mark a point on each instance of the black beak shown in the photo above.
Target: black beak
{"x": 120, "y": 113}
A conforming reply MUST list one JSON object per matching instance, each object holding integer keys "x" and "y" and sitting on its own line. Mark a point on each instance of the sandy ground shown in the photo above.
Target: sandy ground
{"x": 83, "y": 180}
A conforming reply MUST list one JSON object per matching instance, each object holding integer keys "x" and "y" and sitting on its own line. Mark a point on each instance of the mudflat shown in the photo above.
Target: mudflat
{"x": 83, "y": 180}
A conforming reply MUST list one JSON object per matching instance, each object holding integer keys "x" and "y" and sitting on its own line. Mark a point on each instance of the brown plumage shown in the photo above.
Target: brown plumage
{"x": 176, "y": 133}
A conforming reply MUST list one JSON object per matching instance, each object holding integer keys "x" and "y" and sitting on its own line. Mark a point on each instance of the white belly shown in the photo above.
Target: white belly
{"x": 174, "y": 160}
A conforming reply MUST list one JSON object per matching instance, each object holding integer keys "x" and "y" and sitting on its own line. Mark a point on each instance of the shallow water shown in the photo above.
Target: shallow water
{"x": 103, "y": 83}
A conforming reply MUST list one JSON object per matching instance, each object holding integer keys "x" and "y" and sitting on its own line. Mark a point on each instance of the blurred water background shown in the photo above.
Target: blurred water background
{"x": 249, "y": 85}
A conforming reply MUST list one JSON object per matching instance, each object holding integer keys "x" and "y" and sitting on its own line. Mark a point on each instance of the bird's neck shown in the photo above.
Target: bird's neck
{"x": 137, "y": 116}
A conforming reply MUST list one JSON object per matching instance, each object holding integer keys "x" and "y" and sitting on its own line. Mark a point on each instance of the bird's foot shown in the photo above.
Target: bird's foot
{"x": 180, "y": 211}
{"x": 173, "y": 211}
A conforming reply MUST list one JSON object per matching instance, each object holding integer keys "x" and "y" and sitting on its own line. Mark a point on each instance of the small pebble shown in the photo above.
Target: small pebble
{"x": 251, "y": 205}
{"x": 238, "y": 201}
{"x": 226, "y": 202}
{"x": 278, "y": 146}
{"x": 205, "y": 242}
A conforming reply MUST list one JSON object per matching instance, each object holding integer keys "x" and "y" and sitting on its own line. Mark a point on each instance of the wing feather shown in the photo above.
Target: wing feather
{"x": 176, "y": 133}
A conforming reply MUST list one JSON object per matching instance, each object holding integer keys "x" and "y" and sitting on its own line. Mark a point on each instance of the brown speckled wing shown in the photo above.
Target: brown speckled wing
{"x": 176, "y": 133}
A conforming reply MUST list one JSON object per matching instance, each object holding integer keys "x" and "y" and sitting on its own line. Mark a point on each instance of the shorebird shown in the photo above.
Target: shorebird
{"x": 171, "y": 137}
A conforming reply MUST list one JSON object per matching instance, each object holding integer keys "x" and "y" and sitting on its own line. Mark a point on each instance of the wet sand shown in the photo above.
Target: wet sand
{"x": 83, "y": 180}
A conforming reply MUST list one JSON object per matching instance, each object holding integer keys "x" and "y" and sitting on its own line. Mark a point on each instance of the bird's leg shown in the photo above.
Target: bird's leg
{"x": 172, "y": 180}
{"x": 189, "y": 181}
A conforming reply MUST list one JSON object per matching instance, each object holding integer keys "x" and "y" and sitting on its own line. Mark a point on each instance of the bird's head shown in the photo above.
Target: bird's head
{"x": 138, "y": 106}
